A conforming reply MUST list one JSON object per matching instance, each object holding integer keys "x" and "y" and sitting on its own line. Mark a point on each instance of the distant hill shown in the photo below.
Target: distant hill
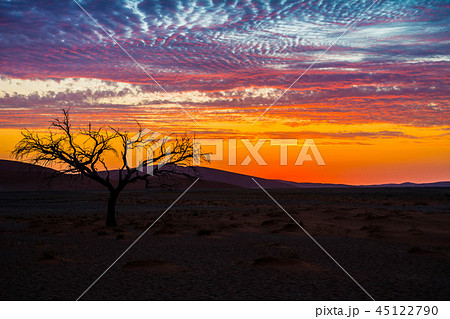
{"x": 18, "y": 176}
{"x": 246, "y": 181}
{"x": 408, "y": 184}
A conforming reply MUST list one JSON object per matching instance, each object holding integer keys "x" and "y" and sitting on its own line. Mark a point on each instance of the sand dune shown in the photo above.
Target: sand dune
{"x": 18, "y": 176}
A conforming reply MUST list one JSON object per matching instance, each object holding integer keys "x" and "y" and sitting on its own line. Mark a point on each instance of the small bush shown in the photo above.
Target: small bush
{"x": 48, "y": 255}
{"x": 204, "y": 232}
{"x": 371, "y": 228}
{"x": 414, "y": 249}
{"x": 290, "y": 253}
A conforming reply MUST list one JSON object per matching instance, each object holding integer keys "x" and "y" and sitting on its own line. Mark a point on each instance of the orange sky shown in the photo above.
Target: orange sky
{"x": 356, "y": 160}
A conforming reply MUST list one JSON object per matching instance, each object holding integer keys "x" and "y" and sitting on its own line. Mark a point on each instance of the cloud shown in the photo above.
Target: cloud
{"x": 233, "y": 57}
{"x": 341, "y": 135}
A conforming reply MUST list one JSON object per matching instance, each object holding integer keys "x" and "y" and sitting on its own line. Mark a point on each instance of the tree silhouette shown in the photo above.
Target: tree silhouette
{"x": 85, "y": 152}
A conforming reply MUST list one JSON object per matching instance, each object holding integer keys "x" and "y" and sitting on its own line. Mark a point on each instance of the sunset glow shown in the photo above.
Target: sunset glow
{"x": 376, "y": 103}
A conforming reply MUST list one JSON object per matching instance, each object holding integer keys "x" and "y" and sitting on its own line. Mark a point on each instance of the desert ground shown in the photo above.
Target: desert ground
{"x": 227, "y": 244}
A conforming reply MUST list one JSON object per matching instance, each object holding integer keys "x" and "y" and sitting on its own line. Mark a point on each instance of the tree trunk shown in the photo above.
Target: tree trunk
{"x": 111, "y": 214}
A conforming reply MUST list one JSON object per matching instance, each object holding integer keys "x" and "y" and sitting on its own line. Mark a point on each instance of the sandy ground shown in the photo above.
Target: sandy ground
{"x": 227, "y": 245}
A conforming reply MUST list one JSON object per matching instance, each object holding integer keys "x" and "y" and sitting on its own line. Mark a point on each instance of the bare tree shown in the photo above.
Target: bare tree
{"x": 85, "y": 152}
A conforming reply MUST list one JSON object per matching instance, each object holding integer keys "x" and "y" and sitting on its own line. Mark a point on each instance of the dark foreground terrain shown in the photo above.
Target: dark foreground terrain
{"x": 227, "y": 244}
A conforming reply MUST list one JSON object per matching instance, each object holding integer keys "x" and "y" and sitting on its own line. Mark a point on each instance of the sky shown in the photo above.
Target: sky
{"x": 376, "y": 103}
